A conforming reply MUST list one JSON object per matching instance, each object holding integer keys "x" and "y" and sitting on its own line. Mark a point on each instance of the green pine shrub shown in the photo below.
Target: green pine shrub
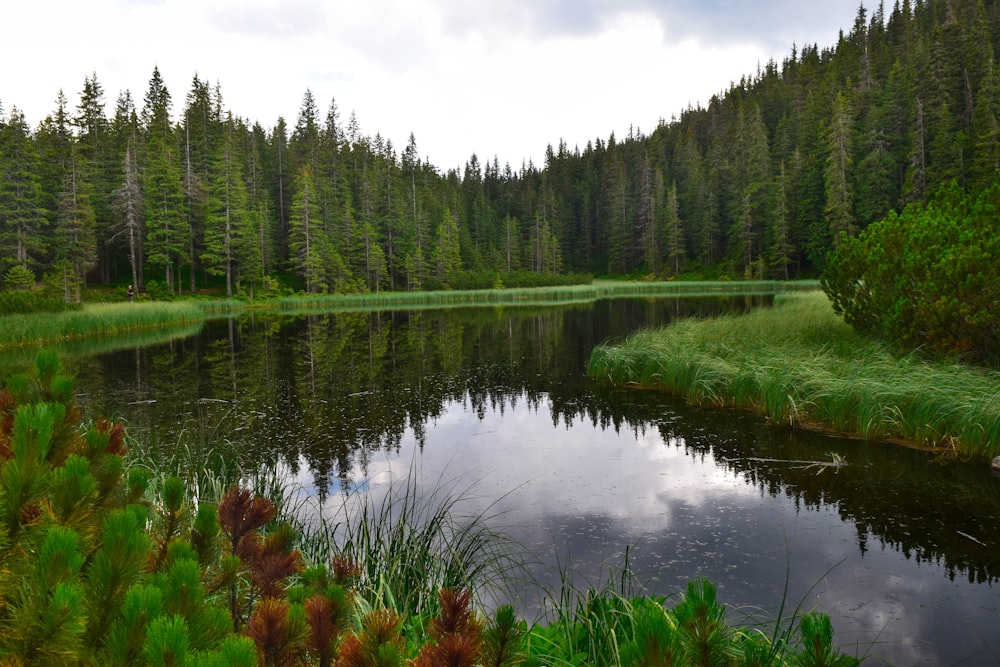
{"x": 925, "y": 279}
{"x": 19, "y": 277}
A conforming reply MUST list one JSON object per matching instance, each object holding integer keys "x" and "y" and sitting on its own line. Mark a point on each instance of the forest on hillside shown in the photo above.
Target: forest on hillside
{"x": 761, "y": 182}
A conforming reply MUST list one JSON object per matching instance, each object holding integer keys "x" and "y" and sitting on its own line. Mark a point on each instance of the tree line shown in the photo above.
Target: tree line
{"x": 760, "y": 182}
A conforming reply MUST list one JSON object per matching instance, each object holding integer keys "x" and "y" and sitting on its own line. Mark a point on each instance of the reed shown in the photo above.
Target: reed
{"x": 23, "y": 357}
{"x": 534, "y": 295}
{"x": 222, "y": 307}
{"x": 411, "y": 541}
{"x": 799, "y": 364}
{"x": 94, "y": 320}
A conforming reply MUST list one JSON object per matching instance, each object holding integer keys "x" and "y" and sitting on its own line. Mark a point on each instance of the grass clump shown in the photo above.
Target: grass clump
{"x": 800, "y": 364}
{"x": 94, "y": 320}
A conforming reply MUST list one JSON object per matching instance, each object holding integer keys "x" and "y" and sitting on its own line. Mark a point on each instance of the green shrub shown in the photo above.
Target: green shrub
{"x": 925, "y": 279}
{"x": 22, "y": 302}
{"x": 19, "y": 277}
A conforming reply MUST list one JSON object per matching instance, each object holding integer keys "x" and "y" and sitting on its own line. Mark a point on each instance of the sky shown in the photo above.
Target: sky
{"x": 498, "y": 78}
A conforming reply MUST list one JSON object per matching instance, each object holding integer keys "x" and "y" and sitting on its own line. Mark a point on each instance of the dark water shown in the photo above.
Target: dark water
{"x": 900, "y": 548}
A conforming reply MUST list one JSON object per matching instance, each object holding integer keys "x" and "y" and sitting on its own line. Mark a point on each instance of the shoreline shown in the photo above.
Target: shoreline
{"x": 800, "y": 366}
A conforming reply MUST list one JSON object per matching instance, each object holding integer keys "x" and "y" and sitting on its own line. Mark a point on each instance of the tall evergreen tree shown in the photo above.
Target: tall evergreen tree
{"x": 200, "y": 127}
{"x": 780, "y": 248}
{"x": 127, "y": 198}
{"x": 96, "y": 165}
{"x": 305, "y": 239}
{"x": 22, "y": 223}
{"x": 75, "y": 238}
{"x": 167, "y": 242}
{"x": 228, "y": 232}
{"x": 839, "y": 174}
{"x": 986, "y": 126}
{"x": 448, "y": 254}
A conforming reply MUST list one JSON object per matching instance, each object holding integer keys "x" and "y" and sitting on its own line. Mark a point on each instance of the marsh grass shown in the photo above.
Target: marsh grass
{"x": 413, "y": 540}
{"x": 95, "y": 320}
{"x": 214, "y": 308}
{"x": 534, "y": 295}
{"x": 799, "y": 364}
{"x": 410, "y": 540}
{"x": 23, "y": 357}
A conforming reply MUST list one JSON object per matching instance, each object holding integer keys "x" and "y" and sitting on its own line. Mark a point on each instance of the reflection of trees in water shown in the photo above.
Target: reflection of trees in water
{"x": 335, "y": 390}
{"x": 930, "y": 511}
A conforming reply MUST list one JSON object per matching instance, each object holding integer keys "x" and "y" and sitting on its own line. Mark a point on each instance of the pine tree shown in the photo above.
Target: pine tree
{"x": 167, "y": 234}
{"x": 54, "y": 146}
{"x": 200, "y": 128}
{"x": 128, "y": 196}
{"x": 228, "y": 233}
{"x": 780, "y": 248}
{"x": 915, "y": 184}
{"x": 986, "y": 125}
{"x": 618, "y": 231}
{"x": 305, "y": 238}
{"x": 21, "y": 219}
{"x": 447, "y": 256}
{"x": 97, "y": 166}
{"x": 839, "y": 175}
{"x": 674, "y": 231}
{"x": 650, "y": 215}
{"x": 76, "y": 242}
{"x": 751, "y": 171}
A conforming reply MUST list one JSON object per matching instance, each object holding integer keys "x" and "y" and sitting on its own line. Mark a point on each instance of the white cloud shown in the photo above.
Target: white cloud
{"x": 495, "y": 78}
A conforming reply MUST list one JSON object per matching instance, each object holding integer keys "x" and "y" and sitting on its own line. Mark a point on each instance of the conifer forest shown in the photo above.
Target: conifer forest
{"x": 171, "y": 189}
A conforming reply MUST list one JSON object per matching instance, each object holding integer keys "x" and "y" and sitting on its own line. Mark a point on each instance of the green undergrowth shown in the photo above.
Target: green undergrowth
{"x": 799, "y": 364}
{"x": 106, "y": 561}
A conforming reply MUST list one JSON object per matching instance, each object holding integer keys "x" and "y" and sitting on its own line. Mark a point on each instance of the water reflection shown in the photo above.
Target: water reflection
{"x": 897, "y": 547}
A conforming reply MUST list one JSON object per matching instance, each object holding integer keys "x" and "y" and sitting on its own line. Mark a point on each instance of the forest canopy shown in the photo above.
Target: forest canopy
{"x": 176, "y": 193}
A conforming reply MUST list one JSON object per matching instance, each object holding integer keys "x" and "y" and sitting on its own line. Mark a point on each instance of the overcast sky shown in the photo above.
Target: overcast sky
{"x": 499, "y": 78}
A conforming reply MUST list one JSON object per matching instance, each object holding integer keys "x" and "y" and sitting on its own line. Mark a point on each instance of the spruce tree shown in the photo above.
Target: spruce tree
{"x": 228, "y": 233}
{"x": 22, "y": 223}
{"x": 167, "y": 233}
{"x": 839, "y": 174}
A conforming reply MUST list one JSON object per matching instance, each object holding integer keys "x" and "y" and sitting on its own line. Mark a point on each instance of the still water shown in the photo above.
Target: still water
{"x": 899, "y": 547}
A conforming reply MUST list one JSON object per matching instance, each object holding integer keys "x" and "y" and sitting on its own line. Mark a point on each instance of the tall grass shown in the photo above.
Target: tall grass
{"x": 411, "y": 541}
{"x": 799, "y": 364}
{"x": 222, "y": 307}
{"x": 534, "y": 295}
{"x": 22, "y": 357}
{"x": 94, "y": 320}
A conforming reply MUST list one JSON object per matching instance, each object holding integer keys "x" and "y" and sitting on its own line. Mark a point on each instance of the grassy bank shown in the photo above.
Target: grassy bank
{"x": 599, "y": 289}
{"x": 95, "y": 320}
{"x": 799, "y": 364}
{"x": 108, "y": 319}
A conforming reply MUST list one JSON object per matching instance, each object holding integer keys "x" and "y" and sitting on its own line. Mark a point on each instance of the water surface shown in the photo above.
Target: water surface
{"x": 897, "y": 546}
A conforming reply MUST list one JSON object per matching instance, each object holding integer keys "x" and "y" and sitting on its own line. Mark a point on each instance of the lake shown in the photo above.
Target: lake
{"x": 897, "y": 545}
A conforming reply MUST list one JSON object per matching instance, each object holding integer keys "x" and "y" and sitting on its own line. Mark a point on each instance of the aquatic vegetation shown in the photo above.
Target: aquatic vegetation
{"x": 801, "y": 365}
{"x": 94, "y": 320}
{"x": 534, "y": 295}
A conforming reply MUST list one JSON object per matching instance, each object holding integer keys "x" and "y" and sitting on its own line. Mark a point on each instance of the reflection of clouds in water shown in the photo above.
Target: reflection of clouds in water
{"x": 549, "y": 468}
{"x": 587, "y": 493}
